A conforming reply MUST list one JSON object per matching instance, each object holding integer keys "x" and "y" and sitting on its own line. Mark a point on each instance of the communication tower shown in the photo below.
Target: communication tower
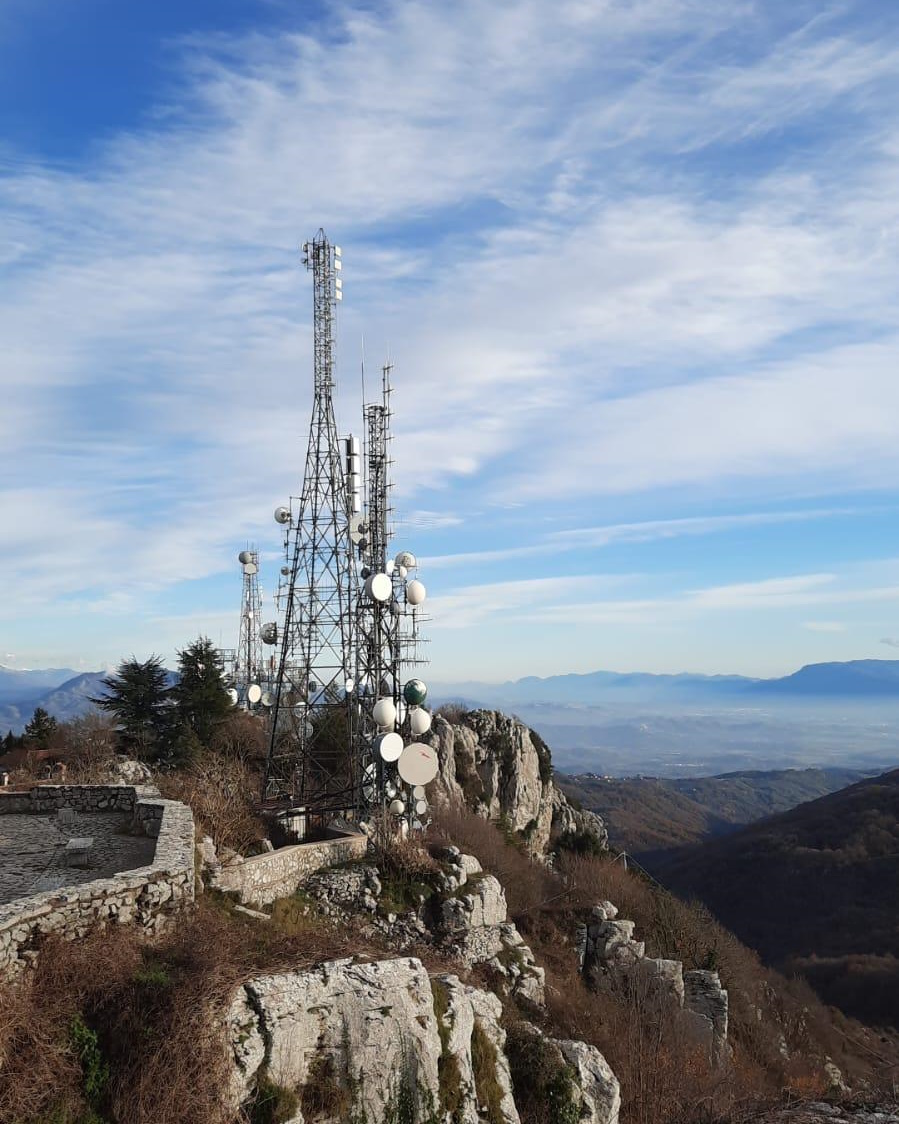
{"x": 249, "y": 665}
{"x": 313, "y": 751}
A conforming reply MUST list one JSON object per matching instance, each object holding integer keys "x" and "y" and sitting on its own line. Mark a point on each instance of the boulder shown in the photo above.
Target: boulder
{"x": 600, "y": 1092}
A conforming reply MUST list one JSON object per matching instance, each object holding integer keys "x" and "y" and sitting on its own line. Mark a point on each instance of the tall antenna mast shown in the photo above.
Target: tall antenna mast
{"x": 313, "y": 753}
{"x": 249, "y": 668}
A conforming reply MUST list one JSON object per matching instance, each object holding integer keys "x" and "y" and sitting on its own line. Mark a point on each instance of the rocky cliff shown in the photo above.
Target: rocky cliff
{"x": 498, "y": 767}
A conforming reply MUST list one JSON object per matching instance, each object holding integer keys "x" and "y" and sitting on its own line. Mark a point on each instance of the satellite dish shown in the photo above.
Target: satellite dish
{"x": 421, "y": 807}
{"x": 245, "y": 556}
{"x": 418, "y": 792}
{"x": 269, "y": 633}
{"x": 285, "y": 570}
{"x": 254, "y": 693}
{"x": 406, "y": 558}
{"x": 348, "y": 685}
{"x": 416, "y": 592}
{"x": 378, "y": 587}
{"x": 402, "y": 571}
{"x": 384, "y": 712}
{"x": 419, "y": 721}
{"x": 397, "y": 807}
{"x": 390, "y": 746}
{"x": 267, "y": 698}
{"x": 415, "y": 692}
{"x": 282, "y": 514}
{"x": 357, "y": 528}
{"x": 250, "y": 568}
{"x": 418, "y": 764}
{"x": 389, "y": 566}
{"x": 232, "y": 695}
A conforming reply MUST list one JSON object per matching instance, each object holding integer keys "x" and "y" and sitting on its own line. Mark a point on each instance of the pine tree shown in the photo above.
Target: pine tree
{"x": 200, "y": 694}
{"x": 41, "y": 728}
{"x": 138, "y": 696}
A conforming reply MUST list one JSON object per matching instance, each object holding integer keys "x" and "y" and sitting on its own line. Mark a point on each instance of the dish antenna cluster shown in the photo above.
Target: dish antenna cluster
{"x": 345, "y": 716}
{"x": 249, "y": 672}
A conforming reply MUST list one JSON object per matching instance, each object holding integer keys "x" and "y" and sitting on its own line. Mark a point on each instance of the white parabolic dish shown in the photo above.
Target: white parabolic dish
{"x": 390, "y": 747}
{"x": 254, "y": 693}
{"x": 378, "y": 587}
{"x": 418, "y": 764}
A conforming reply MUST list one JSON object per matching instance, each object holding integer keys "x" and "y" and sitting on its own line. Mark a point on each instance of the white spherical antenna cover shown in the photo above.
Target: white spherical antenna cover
{"x": 418, "y": 764}
{"x": 397, "y": 807}
{"x": 254, "y": 693}
{"x": 406, "y": 558}
{"x": 378, "y": 587}
{"x": 390, "y": 746}
{"x": 232, "y": 695}
{"x": 416, "y": 592}
{"x": 245, "y": 556}
{"x": 282, "y": 514}
{"x": 384, "y": 712}
{"x": 420, "y": 721}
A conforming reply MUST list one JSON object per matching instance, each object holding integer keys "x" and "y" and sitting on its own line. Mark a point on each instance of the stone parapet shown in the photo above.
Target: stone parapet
{"x": 149, "y": 896}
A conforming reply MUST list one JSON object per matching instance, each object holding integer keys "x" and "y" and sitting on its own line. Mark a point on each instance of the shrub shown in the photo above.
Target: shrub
{"x": 544, "y": 1085}
{"x": 273, "y": 1104}
{"x": 94, "y": 1068}
{"x": 483, "y": 1064}
{"x": 322, "y": 1095}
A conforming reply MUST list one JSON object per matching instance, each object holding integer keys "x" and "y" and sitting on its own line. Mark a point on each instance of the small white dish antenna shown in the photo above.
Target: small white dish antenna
{"x": 357, "y": 528}
{"x": 254, "y": 693}
{"x": 232, "y": 695}
{"x": 267, "y": 698}
{"x": 269, "y": 633}
{"x": 416, "y": 592}
{"x": 420, "y": 721}
{"x": 421, "y": 807}
{"x": 418, "y": 764}
{"x": 406, "y": 558}
{"x": 349, "y": 685}
{"x": 418, "y": 792}
{"x": 282, "y": 514}
{"x": 397, "y": 807}
{"x": 390, "y": 790}
{"x": 403, "y": 571}
{"x": 390, "y": 746}
{"x": 378, "y": 587}
{"x": 245, "y": 556}
{"x": 390, "y": 565}
{"x": 384, "y": 712}
{"x": 285, "y": 570}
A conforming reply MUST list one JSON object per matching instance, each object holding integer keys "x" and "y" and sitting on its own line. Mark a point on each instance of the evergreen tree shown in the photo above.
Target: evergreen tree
{"x": 138, "y": 696}
{"x": 200, "y": 694}
{"x": 40, "y": 729}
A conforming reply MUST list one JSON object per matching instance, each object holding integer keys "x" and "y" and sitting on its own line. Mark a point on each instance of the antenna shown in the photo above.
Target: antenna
{"x": 312, "y": 758}
{"x": 249, "y": 668}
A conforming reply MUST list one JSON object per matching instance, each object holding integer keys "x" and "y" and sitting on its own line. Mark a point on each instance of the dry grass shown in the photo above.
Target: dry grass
{"x": 221, "y": 792}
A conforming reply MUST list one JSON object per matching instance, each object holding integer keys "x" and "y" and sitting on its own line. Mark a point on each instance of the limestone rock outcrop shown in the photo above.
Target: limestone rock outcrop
{"x": 610, "y": 958}
{"x": 498, "y": 767}
{"x": 381, "y": 1040}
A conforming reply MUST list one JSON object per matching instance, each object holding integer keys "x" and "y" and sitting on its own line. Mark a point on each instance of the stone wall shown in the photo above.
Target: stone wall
{"x": 260, "y": 879}
{"x": 149, "y": 896}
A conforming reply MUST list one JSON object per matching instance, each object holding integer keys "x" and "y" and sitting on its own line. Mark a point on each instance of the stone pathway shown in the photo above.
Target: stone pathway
{"x": 33, "y": 851}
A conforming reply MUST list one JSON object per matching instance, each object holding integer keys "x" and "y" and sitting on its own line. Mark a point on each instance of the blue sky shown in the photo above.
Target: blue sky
{"x": 635, "y": 264}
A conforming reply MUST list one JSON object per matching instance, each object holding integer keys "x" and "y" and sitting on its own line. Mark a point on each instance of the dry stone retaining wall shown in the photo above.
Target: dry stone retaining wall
{"x": 148, "y": 896}
{"x": 261, "y": 879}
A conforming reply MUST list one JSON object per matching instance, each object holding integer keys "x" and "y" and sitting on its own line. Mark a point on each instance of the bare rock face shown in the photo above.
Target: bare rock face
{"x": 598, "y": 1085}
{"x": 382, "y": 1041}
{"x": 705, "y": 1005}
{"x": 498, "y": 767}
{"x": 366, "y": 1031}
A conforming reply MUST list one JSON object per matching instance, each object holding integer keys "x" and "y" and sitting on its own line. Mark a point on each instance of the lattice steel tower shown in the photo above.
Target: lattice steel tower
{"x": 249, "y": 667}
{"x": 313, "y": 755}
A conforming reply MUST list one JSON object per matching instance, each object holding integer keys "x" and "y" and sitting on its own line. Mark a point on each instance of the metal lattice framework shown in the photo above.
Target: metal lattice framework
{"x": 313, "y": 751}
{"x": 249, "y": 666}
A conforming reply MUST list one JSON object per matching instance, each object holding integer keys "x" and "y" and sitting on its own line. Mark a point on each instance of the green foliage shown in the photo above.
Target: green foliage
{"x": 483, "y": 1063}
{"x": 540, "y": 1076}
{"x": 94, "y": 1068}
{"x": 272, "y": 1103}
{"x": 138, "y": 697}
{"x": 200, "y": 694}
{"x": 153, "y": 975}
{"x": 544, "y": 757}
{"x": 580, "y": 843}
{"x": 41, "y": 728}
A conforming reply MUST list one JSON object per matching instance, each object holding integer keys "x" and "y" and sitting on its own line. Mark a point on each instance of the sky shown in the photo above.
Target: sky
{"x": 634, "y": 262}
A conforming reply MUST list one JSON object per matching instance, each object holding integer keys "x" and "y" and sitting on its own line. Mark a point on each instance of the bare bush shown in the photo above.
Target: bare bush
{"x": 222, "y": 792}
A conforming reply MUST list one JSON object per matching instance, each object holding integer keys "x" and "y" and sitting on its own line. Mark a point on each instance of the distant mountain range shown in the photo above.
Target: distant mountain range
{"x": 815, "y": 890}
{"x": 63, "y": 693}
{"x": 853, "y": 679}
{"x": 646, "y": 816}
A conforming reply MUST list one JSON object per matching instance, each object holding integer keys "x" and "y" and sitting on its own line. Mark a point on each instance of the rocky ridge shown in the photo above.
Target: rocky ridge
{"x": 496, "y": 766}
